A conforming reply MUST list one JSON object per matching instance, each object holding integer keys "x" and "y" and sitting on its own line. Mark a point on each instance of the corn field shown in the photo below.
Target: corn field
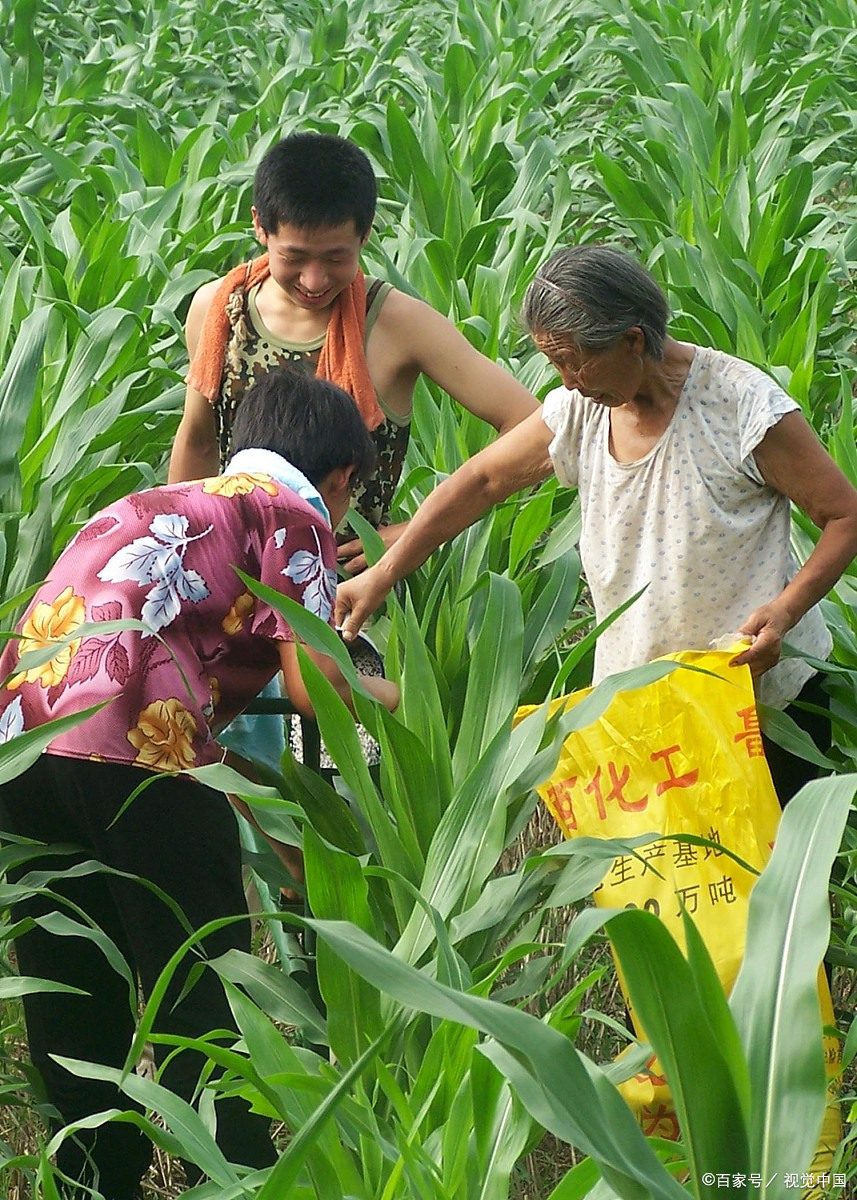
{"x": 457, "y": 1056}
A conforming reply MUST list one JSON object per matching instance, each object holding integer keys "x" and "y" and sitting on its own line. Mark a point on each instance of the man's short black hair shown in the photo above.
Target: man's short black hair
{"x": 309, "y": 421}
{"x": 315, "y": 180}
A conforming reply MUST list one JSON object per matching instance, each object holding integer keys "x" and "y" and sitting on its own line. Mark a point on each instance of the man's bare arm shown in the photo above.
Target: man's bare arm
{"x": 431, "y": 344}
{"x": 195, "y": 453}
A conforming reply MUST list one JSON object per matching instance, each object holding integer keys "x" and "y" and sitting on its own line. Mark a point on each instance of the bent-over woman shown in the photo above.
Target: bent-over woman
{"x": 165, "y": 557}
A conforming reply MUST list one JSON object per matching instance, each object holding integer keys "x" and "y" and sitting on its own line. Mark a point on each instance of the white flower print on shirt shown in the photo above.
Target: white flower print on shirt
{"x": 308, "y": 569}
{"x": 12, "y": 721}
{"x": 159, "y": 561}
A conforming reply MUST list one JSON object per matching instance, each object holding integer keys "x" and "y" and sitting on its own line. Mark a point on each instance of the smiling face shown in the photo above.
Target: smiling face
{"x": 611, "y": 377}
{"x": 312, "y": 266}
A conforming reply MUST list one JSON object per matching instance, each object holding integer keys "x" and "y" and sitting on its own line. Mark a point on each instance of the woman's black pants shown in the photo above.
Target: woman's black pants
{"x": 183, "y": 838}
{"x": 788, "y": 772}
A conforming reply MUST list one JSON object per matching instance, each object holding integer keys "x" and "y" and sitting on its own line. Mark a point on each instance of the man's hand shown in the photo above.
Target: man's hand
{"x": 767, "y": 626}
{"x": 351, "y": 555}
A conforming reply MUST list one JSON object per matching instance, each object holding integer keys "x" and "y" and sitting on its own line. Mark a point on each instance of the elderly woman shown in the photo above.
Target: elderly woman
{"x": 686, "y": 460}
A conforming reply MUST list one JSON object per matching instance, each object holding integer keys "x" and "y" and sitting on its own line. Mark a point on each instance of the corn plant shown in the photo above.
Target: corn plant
{"x": 417, "y": 1107}
{"x": 405, "y": 1108}
{"x": 747, "y": 1076}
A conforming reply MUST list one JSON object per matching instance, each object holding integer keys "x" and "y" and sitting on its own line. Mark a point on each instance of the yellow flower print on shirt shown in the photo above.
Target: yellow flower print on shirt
{"x": 239, "y": 485}
{"x": 234, "y": 620}
{"x": 46, "y": 624}
{"x": 211, "y": 704}
{"x": 163, "y": 736}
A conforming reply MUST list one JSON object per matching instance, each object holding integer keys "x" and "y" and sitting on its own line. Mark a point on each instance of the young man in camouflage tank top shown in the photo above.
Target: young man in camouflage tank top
{"x": 314, "y": 202}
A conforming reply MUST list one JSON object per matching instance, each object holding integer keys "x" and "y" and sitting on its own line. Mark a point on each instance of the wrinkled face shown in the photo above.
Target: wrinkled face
{"x": 610, "y": 377}
{"x": 312, "y": 266}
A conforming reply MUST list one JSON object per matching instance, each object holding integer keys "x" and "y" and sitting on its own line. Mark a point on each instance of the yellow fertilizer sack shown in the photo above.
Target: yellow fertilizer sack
{"x": 682, "y": 755}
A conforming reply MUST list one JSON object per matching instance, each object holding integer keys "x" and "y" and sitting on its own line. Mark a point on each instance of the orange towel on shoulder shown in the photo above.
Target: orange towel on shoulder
{"x": 343, "y": 356}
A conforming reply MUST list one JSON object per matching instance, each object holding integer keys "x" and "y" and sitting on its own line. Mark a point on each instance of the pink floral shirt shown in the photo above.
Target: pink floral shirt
{"x": 165, "y": 557}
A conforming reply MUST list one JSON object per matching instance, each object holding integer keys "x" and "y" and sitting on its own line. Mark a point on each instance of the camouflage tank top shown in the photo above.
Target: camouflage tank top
{"x": 253, "y": 350}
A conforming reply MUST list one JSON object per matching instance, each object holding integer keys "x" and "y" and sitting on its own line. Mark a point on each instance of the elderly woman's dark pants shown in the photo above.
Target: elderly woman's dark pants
{"x": 788, "y": 772}
{"x": 181, "y": 837}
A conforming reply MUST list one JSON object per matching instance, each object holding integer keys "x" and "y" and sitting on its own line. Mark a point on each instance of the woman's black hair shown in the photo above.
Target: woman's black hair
{"x": 309, "y": 421}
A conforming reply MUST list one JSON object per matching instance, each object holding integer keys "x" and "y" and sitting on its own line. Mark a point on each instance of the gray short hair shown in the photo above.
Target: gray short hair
{"x": 593, "y": 294}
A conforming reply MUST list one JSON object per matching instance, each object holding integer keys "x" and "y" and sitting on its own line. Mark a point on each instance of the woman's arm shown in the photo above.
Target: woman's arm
{"x": 517, "y": 460}
{"x": 792, "y": 461}
{"x": 384, "y": 690}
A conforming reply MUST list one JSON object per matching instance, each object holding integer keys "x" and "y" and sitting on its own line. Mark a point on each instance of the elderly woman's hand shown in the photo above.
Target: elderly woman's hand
{"x": 767, "y": 626}
{"x": 357, "y": 599}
